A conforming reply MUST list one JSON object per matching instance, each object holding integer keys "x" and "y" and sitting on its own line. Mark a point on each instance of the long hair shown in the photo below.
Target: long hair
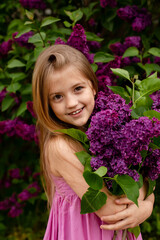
{"x": 53, "y": 58}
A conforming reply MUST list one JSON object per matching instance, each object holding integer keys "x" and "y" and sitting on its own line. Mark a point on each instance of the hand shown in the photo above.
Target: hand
{"x": 130, "y": 217}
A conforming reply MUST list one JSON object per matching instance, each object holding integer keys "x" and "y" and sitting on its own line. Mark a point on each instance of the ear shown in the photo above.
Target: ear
{"x": 94, "y": 92}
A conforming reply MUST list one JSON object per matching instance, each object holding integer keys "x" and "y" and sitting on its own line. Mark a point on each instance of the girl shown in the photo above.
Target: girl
{"x": 64, "y": 91}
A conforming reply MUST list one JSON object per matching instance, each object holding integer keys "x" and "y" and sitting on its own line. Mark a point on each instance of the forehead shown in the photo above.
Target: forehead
{"x": 68, "y": 75}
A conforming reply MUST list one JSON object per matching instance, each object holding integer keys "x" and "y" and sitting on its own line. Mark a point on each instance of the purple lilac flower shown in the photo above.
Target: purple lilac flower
{"x": 156, "y": 101}
{"x": 139, "y": 18}
{"x": 38, "y": 4}
{"x": 59, "y": 41}
{"x": 103, "y": 82}
{"x": 24, "y": 195}
{"x": 157, "y": 60}
{"x": 128, "y": 12}
{"x": 19, "y": 128}
{"x": 132, "y": 41}
{"x": 111, "y": 3}
{"x": 116, "y": 140}
{"x": 5, "y": 47}
{"x": 23, "y": 40}
{"x": 2, "y": 94}
{"x": 113, "y": 102}
{"x": 92, "y": 22}
{"x": 15, "y": 210}
{"x": 30, "y": 108}
{"x": 93, "y": 45}
{"x": 14, "y": 173}
{"x": 78, "y": 40}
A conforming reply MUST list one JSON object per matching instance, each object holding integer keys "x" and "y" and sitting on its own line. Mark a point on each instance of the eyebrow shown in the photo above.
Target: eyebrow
{"x": 77, "y": 84}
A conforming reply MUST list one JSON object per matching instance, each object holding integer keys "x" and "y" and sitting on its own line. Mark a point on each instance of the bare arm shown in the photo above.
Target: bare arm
{"x": 66, "y": 164}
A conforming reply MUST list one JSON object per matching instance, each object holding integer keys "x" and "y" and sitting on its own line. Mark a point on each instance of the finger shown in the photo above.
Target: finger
{"x": 117, "y": 226}
{"x": 124, "y": 200}
{"x": 115, "y": 217}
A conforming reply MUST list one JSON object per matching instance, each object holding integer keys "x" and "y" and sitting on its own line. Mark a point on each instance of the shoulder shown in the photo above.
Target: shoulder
{"x": 61, "y": 153}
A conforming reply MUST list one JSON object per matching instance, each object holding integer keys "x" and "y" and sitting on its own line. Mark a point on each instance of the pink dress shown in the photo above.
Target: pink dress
{"x": 66, "y": 223}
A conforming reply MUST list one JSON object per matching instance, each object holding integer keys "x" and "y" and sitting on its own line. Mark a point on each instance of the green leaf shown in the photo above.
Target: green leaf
{"x": 101, "y": 171}
{"x": 75, "y": 15}
{"x": 156, "y": 140}
{"x": 22, "y": 108}
{"x": 92, "y": 200}
{"x": 93, "y": 180}
{"x": 131, "y": 52}
{"x": 122, "y": 92}
{"x": 37, "y": 38}
{"x": 27, "y": 89}
{"x": 48, "y": 21}
{"x": 93, "y": 37}
{"x": 13, "y": 63}
{"x": 103, "y": 57}
{"x": 121, "y": 72}
{"x": 13, "y": 87}
{"x": 136, "y": 231}
{"x": 153, "y": 146}
{"x": 144, "y": 101}
{"x": 154, "y": 51}
{"x": 129, "y": 186}
{"x": 151, "y": 67}
{"x": 94, "y": 67}
{"x": 140, "y": 181}
{"x": 7, "y": 102}
{"x": 147, "y": 87}
{"x": 83, "y": 157}
{"x": 67, "y": 24}
{"x": 24, "y": 30}
{"x": 76, "y": 134}
{"x": 29, "y": 14}
{"x": 138, "y": 112}
{"x": 151, "y": 186}
{"x": 17, "y": 76}
{"x": 152, "y": 113}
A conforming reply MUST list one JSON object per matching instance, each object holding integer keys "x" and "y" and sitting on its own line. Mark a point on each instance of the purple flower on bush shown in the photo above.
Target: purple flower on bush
{"x": 156, "y": 101}
{"x": 92, "y": 22}
{"x": 30, "y": 108}
{"x": 15, "y": 210}
{"x": 38, "y": 4}
{"x": 14, "y": 173}
{"x": 139, "y": 18}
{"x": 116, "y": 140}
{"x": 78, "y": 40}
{"x": 111, "y": 3}
{"x": 5, "y": 47}
{"x": 2, "y": 94}
{"x": 22, "y": 41}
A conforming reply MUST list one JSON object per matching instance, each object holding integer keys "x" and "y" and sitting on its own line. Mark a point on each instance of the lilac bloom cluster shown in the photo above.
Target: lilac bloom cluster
{"x": 156, "y": 101}
{"x": 5, "y": 47}
{"x": 22, "y": 41}
{"x": 37, "y": 4}
{"x": 116, "y": 140}
{"x": 30, "y": 108}
{"x": 139, "y": 18}
{"x": 19, "y": 128}
{"x": 111, "y": 3}
{"x": 16, "y": 203}
{"x": 78, "y": 40}
{"x": 132, "y": 41}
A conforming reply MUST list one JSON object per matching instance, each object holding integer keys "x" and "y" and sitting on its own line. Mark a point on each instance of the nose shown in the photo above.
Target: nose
{"x": 71, "y": 101}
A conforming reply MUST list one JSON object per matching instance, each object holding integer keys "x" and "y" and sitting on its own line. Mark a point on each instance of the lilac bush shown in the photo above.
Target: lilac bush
{"x": 139, "y": 18}
{"x": 38, "y": 4}
{"x": 117, "y": 140}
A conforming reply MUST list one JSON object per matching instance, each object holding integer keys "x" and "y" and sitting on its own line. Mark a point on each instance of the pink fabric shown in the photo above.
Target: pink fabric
{"x": 66, "y": 223}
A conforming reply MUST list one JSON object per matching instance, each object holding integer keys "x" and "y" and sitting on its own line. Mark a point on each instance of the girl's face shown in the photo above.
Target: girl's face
{"x": 71, "y": 96}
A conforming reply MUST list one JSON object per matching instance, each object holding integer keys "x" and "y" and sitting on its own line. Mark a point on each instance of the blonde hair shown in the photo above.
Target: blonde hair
{"x": 53, "y": 58}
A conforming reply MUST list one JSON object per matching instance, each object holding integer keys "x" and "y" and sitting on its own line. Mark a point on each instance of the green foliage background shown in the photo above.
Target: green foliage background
{"x": 57, "y": 20}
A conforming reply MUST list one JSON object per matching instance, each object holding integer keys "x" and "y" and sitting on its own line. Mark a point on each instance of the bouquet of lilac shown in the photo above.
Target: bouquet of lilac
{"x": 122, "y": 142}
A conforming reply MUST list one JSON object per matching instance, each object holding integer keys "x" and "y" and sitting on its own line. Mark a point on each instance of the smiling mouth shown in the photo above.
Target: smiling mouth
{"x": 76, "y": 112}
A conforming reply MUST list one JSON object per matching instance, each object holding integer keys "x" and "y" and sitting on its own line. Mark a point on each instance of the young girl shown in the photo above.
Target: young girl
{"x": 64, "y": 91}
